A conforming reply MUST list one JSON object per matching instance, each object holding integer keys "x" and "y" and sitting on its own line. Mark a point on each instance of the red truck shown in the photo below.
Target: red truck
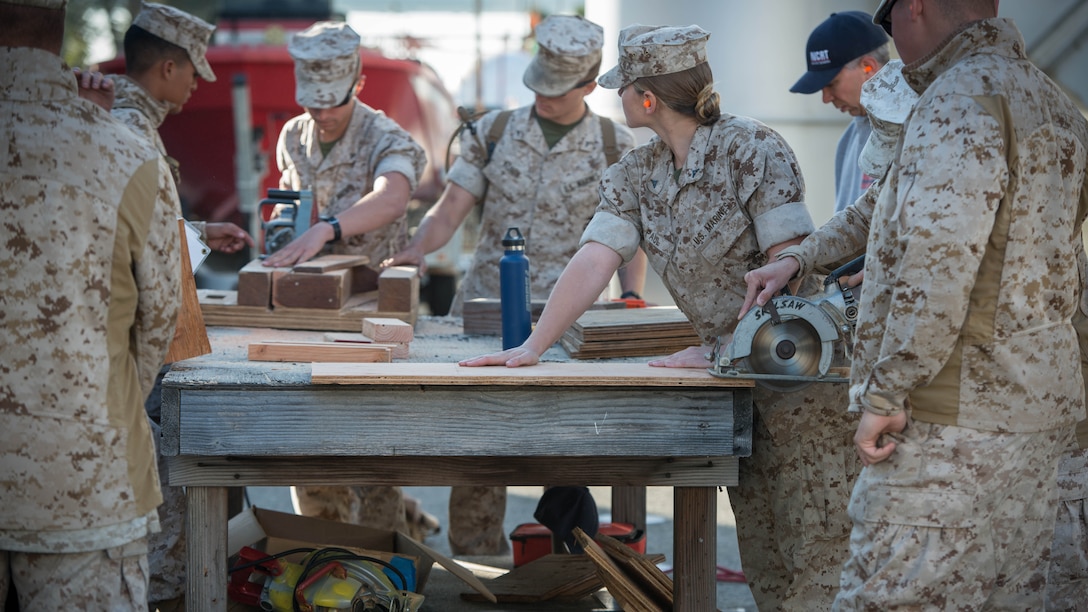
{"x": 204, "y": 136}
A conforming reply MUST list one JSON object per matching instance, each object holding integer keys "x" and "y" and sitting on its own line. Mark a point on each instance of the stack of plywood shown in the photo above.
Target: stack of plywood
{"x": 631, "y": 332}
{"x": 483, "y": 316}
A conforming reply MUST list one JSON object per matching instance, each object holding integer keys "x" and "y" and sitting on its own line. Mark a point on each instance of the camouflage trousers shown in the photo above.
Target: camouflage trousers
{"x": 114, "y": 579}
{"x": 790, "y": 507}
{"x": 956, "y": 519}
{"x": 377, "y": 507}
{"x": 476, "y": 521}
{"x": 166, "y": 549}
{"x": 1067, "y": 579}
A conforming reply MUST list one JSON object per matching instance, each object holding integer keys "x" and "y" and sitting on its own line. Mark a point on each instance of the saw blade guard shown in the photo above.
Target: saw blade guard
{"x": 800, "y": 343}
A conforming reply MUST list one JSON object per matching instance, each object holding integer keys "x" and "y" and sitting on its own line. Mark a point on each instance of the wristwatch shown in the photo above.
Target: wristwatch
{"x": 335, "y": 223}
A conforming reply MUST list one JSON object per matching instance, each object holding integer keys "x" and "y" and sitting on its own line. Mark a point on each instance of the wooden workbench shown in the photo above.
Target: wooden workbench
{"x": 229, "y": 422}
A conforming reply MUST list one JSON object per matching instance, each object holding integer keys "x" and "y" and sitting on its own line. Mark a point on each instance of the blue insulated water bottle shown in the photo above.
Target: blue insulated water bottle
{"x": 514, "y": 290}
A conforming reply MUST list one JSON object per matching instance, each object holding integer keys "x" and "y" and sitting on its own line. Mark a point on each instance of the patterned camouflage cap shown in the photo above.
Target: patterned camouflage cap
{"x": 887, "y": 100}
{"x": 655, "y": 50}
{"x": 180, "y": 28}
{"x": 45, "y": 4}
{"x": 327, "y": 63}
{"x": 569, "y": 54}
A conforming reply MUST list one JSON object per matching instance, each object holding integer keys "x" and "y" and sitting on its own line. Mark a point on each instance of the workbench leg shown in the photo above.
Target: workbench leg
{"x": 629, "y": 506}
{"x": 695, "y": 548}
{"x": 206, "y": 554}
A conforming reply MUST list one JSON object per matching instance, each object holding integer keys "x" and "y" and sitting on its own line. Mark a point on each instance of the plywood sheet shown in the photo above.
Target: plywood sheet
{"x": 560, "y": 374}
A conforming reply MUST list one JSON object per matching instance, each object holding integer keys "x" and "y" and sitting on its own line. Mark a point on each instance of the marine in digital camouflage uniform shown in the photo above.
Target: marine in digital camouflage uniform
{"x": 342, "y": 175}
{"x": 965, "y": 354}
{"x": 137, "y": 107}
{"x": 89, "y": 291}
{"x": 737, "y": 196}
{"x": 541, "y": 178}
{"x": 363, "y": 178}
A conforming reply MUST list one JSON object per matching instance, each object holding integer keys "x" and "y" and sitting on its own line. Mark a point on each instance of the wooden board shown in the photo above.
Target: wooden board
{"x": 627, "y": 592}
{"x": 304, "y": 352}
{"x": 190, "y": 336}
{"x": 328, "y": 263}
{"x": 385, "y": 329}
{"x": 639, "y": 568}
{"x": 398, "y": 350}
{"x": 545, "y": 374}
{"x": 222, "y": 308}
{"x": 555, "y": 577}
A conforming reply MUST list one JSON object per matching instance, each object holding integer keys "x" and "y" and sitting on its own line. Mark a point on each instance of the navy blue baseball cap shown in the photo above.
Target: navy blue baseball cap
{"x": 840, "y": 39}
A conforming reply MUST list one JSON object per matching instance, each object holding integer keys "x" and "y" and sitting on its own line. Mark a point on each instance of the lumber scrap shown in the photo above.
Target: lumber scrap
{"x": 640, "y": 569}
{"x": 387, "y": 329}
{"x": 630, "y": 595}
{"x": 255, "y": 282}
{"x": 553, "y": 577}
{"x": 329, "y": 263}
{"x": 190, "y": 335}
{"x": 326, "y": 290}
{"x": 398, "y": 350}
{"x": 398, "y": 289}
{"x": 319, "y": 352}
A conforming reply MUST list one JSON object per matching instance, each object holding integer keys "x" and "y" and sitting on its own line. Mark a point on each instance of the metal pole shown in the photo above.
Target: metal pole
{"x": 246, "y": 176}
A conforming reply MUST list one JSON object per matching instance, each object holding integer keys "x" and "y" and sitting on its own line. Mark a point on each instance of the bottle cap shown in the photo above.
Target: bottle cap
{"x": 513, "y": 238}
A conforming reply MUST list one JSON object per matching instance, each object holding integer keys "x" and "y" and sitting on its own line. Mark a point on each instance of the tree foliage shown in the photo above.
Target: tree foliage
{"x": 92, "y": 22}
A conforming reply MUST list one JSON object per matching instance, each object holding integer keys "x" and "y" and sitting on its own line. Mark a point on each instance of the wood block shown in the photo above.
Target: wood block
{"x": 382, "y": 329}
{"x": 321, "y": 352}
{"x": 329, "y": 290}
{"x": 398, "y": 350}
{"x": 255, "y": 282}
{"x": 328, "y": 263}
{"x": 364, "y": 279}
{"x": 398, "y": 289}
{"x": 190, "y": 336}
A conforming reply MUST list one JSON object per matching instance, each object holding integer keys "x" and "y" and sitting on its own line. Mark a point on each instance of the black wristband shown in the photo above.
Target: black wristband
{"x": 630, "y": 295}
{"x": 335, "y": 223}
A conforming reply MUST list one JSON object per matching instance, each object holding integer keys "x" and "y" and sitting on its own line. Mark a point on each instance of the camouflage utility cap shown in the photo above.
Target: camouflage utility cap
{"x": 180, "y": 28}
{"x": 887, "y": 100}
{"x": 647, "y": 51}
{"x": 45, "y": 4}
{"x": 569, "y": 55}
{"x": 327, "y": 63}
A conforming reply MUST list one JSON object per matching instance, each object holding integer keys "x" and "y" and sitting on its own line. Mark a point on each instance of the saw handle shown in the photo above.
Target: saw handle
{"x": 847, "y": 269}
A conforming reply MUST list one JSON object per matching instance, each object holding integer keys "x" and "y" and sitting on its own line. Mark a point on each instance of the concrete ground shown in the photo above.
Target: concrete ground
{"x": 443, "y": 589}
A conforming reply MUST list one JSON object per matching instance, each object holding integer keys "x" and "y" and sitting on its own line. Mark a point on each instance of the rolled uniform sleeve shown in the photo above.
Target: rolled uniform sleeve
{"x": 617, "y": 223}
{"x": 397, "y": 152}
{"x": 771, "y": 189}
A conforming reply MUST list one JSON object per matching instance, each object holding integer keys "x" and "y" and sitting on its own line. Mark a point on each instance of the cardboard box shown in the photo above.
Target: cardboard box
{"x": 274, "y": 532}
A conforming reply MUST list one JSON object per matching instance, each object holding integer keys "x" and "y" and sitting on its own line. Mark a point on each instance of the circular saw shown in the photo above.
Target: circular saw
{"x": 791, "y": 341}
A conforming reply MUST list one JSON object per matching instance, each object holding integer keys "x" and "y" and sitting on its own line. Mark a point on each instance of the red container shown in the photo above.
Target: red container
{"x": 532, "y": 540}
